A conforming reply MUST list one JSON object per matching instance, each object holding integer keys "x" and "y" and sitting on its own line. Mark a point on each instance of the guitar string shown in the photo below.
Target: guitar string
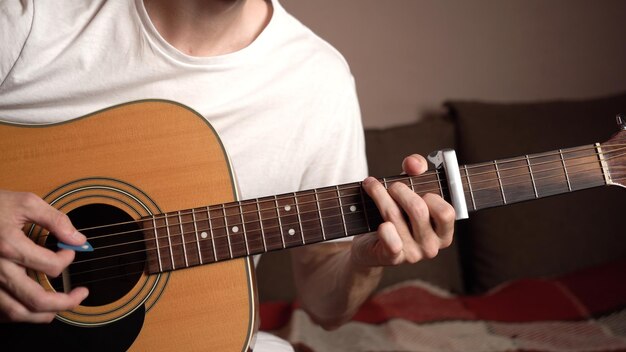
{"x": 211, "y": 259}
{"x": 551, "y": 153}
{"x": 221, "y": 247}
{"x": 496, "y": 203}
{"x": 282, "y": 197}
{"x": 179, "y": 255}
{"x": 242, "y": 204}
{"x": 615, "y": 179}
{"x": 316, "y": 221}
{"x": 315, "y": 211}
{"x": 428, "y": 173}
{"x": 237, "y": 205}
{"x": 257, "y": 221}
{"x": 328, "y": 208}
{"x": 143, "y": 271}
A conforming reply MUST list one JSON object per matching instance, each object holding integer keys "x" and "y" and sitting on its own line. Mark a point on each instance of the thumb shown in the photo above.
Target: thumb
{"x": 377, "y": 249}
{"x": 414, "y": 164}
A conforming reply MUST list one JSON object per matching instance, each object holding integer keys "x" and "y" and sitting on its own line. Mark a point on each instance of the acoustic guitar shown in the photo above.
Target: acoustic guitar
{"x": 150, "y": 185}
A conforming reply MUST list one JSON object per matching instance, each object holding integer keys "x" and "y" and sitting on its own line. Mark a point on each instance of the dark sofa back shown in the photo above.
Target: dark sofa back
{"x": 550, "y": 236}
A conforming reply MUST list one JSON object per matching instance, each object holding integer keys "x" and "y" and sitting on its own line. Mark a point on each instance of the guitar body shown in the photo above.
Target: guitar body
{"x": 126, "y": 162}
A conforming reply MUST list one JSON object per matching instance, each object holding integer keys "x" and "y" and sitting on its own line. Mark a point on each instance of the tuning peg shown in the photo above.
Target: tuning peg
{"x": 621, "y": 121}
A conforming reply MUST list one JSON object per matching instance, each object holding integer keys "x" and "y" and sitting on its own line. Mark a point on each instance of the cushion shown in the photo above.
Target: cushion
{"x": 550, "y": 236}
{"x": 556, "y": 314}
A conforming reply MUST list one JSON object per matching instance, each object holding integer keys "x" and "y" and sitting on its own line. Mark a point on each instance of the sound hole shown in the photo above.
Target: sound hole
{"x": 118, "y": 259}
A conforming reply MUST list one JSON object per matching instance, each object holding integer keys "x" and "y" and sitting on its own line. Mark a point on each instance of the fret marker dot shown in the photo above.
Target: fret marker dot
{"x": 352, "y": 208}
{"x": 204, "y": 235}
{"x": 292, "y": 232}
{"x": 287, "y": 207}
{"x": 235, "y": 229}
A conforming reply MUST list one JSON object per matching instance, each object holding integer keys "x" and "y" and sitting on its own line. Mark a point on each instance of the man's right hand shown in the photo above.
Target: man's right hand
{"x": 21, "y": 298}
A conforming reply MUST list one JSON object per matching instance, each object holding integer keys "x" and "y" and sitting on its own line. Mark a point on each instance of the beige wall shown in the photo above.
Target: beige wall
{"x": 408, "y": 56}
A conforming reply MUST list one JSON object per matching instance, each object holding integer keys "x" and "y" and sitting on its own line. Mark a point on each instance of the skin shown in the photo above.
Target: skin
{"x": 21, "y": 299}
{"x": 351, "y": 271}
{"x": 332, "y": 279}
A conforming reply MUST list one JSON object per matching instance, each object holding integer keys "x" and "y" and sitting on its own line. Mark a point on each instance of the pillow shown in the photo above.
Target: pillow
{"x": 550, "y": 236}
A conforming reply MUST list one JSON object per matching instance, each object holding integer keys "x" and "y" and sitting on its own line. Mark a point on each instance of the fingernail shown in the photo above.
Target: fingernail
{"x": 368, "y": 180}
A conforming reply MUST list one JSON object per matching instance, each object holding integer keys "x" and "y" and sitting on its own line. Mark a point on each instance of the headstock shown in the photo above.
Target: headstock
{"x": 614, "y": 154}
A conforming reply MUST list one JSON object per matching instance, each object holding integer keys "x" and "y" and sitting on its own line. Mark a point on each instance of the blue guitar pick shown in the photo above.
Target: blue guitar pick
{"x": 85, "y": 247}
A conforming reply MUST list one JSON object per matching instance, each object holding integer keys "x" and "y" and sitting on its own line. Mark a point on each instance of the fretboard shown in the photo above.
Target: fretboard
{"x": 535, "y": 176}
{"x": 215, "y": 233}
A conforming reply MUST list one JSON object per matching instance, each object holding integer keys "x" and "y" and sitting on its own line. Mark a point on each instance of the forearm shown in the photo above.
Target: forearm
{"x": 331, "y": 287}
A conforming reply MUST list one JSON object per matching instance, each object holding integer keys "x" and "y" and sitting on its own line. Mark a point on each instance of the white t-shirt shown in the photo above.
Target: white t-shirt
{"x": 285, "y": 106}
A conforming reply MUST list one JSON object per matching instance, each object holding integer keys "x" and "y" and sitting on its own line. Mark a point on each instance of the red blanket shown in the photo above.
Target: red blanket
{"x": 584, "y": 311}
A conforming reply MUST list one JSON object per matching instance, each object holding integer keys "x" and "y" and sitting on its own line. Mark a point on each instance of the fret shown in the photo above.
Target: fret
{"x": 515, "y": 180}
{"x": 426, "y": 183}
{"x": 208, "y": 215}
{"x": 156, "y": 241}
{"x": 569, "y": 185}
{"x": 195, "y": 231}
{"x": 439, "y": 183}
{"x": 289, "y": 220}
{"x": 182, "y": 235}
{"x": 319, "y": 212}
{"x": 548, "y": 173}
{"x": 486, "y": 186}
{"x": 252, "y": 227}
{"x": 309, "y": 216}
{"x": 258, "y": 210}
{"x": 280, "y": 222}
{"x": 374, "y": 218}
{"x": 603, "y": 164}
{"x": 230, "y": 247}
{"x": 399, "y": 178}
{"x": 191, "y": 244}
{"x": 364, "y": 207}
{"x": 169, "y": 241}
{"x": 176, "y": 237}
{"x": 330, "y": 210}
{"x": 583, "y": 168}
{"x": 234, "y": 228}
{"x": 411, "y": 185}
{"x": 295, "y": 200}
{"x": 154, "y": 263}
{"x": 243, "y": 228}
{"x": 532, "y": 176}
{"x": 469, "y": 187}
{"x": 343, "y": 217}
{"x": 219, "y": 233}
{"x": 204, "y": 244}
{"x": 495, "y": 164}
{"x": 270, "y": 223}
{"x": 354, "y": 218}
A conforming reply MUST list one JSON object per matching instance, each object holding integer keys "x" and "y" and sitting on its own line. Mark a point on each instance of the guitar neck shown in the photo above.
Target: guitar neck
{"x": 215, "y": 233}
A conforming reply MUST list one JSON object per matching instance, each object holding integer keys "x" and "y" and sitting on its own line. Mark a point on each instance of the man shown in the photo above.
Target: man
{"x": 282, "y": 100}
